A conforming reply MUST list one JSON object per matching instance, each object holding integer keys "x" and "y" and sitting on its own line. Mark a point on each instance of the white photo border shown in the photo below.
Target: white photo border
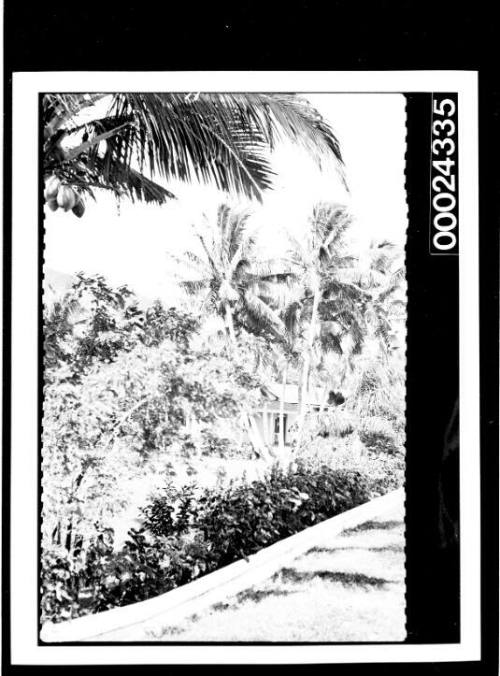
{"x": 25, "y": 430}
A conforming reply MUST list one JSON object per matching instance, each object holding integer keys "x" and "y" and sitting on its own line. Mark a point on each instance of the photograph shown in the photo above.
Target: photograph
{"x": 223, "y": 366}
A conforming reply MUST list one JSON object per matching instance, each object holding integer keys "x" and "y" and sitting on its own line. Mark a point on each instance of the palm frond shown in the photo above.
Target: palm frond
{"x": 299, "y": 121}
{"x": 211, "y": 254}
{"x": 107, "y": 173}
{"x": 192, "y": 139}
{"x": 194, "y": 286}
{"x": 58, "y": 109}
{"x": 195, "y": 260}
{"x": 275, "y": 267}
{"x": 223, "y": 139}
{"x": 223, "y": 221}
{"x": 184, "y": 262}
{"x": 329, "y": 339}
{"x": 291, "y": 317}
{"x": 261, "y": 313}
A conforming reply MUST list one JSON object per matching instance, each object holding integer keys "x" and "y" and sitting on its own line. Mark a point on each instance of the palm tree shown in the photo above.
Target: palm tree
{"x": 383, "y": 277}
{"x": 139, "y": 138}
{"x": 237, "y": 286}
{"x": 358, "y": 323}
{"x": 232, "y": 282}
{"x": 328, "y": 305}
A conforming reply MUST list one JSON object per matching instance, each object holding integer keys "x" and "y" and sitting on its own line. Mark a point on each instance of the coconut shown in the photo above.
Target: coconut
{"x": 51, "y": 187}
{"x": 79, "y": 208}
{"x": 66, "y": 197}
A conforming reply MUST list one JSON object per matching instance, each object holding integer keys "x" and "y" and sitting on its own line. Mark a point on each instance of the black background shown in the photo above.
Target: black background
{"x": 340, "y": 35}
{"x": 432, "y": 556}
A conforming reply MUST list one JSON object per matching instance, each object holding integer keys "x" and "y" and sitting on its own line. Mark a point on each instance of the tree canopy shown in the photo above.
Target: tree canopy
{"x": 142, "y": 141}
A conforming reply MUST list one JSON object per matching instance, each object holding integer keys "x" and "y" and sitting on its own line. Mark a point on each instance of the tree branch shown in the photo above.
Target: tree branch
{"x": 94, "y": 141}
{"x": 124, "y": 417}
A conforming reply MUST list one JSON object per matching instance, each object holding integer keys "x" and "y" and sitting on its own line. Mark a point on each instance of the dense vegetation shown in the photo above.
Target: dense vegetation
{"x": 135, "y": 391}
{"x": 189, "y": 532}
{"x": 138, "y": 393}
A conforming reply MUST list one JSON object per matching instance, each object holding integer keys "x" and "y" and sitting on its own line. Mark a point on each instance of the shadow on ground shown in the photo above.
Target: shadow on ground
{"x": 347, "y": 579}
{"x": 331, "y": 550}
{"x": 253, "y": 595}
{"x": 373, "y": 525}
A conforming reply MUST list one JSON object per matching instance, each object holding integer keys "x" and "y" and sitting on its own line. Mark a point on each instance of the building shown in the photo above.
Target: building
{"x": 267, "y": 418}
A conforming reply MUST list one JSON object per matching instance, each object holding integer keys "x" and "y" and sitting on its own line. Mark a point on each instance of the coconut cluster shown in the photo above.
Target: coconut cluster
{"x": 59, "y": 195}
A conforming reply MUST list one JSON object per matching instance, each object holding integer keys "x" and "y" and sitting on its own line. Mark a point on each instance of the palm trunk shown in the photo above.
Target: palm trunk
{"x": 282, "y": 411}
{"x": 230, "y": 324}
{"x": 324, "y": 399}
{"x": 259, "y": 446}
{"x": 248, "y": 420}
{"x": 307, "y": 363}
{"x": 323, "y": 404}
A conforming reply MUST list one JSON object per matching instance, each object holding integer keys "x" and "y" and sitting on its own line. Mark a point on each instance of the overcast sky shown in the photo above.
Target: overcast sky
{"x": 129, "y": 245}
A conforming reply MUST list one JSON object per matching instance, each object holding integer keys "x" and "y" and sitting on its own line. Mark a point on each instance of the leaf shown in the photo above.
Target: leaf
{"x": 224, "y": 139}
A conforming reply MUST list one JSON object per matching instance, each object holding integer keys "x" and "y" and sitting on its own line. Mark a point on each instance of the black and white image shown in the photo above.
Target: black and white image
{"x": 244, "y": 405}
{"x": 224, "y": 319}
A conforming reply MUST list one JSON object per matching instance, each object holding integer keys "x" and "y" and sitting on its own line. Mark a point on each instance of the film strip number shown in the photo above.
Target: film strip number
{"x": 444, "y": 175}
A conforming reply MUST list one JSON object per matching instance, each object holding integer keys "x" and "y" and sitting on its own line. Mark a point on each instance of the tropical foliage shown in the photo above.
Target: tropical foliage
{"x": 136, "y": 391}
{"x": 189, "y": 533}
{"x": 129, "y": 143}
{"x": 128, "y": 390}
{"x": 232, "y": 281}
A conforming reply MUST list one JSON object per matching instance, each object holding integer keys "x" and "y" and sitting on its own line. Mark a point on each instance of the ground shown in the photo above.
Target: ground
{"x": 349, "y": 589}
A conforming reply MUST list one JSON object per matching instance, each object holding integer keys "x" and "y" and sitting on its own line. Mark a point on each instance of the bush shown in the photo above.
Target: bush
{"x": 186, "y": 536}
{"x": 59, "y": 588}
{"x": 241, "y": 519}
{"x": 385, "y": 470}
{"x": 387, "y": 473}
{"x": 337, "y": 423}
{"x": 145, "y": 567}
{"x": 378, "y": 435}
{"x": 214, "y": 445}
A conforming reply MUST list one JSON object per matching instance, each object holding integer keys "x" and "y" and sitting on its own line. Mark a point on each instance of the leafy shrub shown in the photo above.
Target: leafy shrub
{"x": 337, "y": 423}
{"x": 378, "y": 435}
{"x": 241, "y": 519}
{"x": 71, "y": 583}
{"x": 59, "y": 585}
{"x": 105, "y": 427}
{"x": 187, "y": 535}
{"x": 215, "y": 445}
{"x": 170, "y": 512}
{"x": 145, "y": 567}
{"x": 139, "y": 571}
{"x": 387, "y": 473}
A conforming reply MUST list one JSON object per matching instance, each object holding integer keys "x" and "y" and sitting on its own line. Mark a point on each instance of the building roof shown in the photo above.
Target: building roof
{"x": 273, "y": 391}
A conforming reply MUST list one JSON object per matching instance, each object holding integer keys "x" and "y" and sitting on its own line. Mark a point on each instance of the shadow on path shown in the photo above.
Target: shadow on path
{"x": 373, "y": 525}
{"x": 257, "y": 595}
{"x": 347, "y": 579}
{"x": 331, "y": 550}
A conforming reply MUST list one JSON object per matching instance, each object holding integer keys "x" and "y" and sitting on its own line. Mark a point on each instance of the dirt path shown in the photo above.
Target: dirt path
{"x": 349, "y": 589}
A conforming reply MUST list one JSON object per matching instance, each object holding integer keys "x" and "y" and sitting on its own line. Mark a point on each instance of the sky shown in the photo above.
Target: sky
{"x": 129, "y": 244}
